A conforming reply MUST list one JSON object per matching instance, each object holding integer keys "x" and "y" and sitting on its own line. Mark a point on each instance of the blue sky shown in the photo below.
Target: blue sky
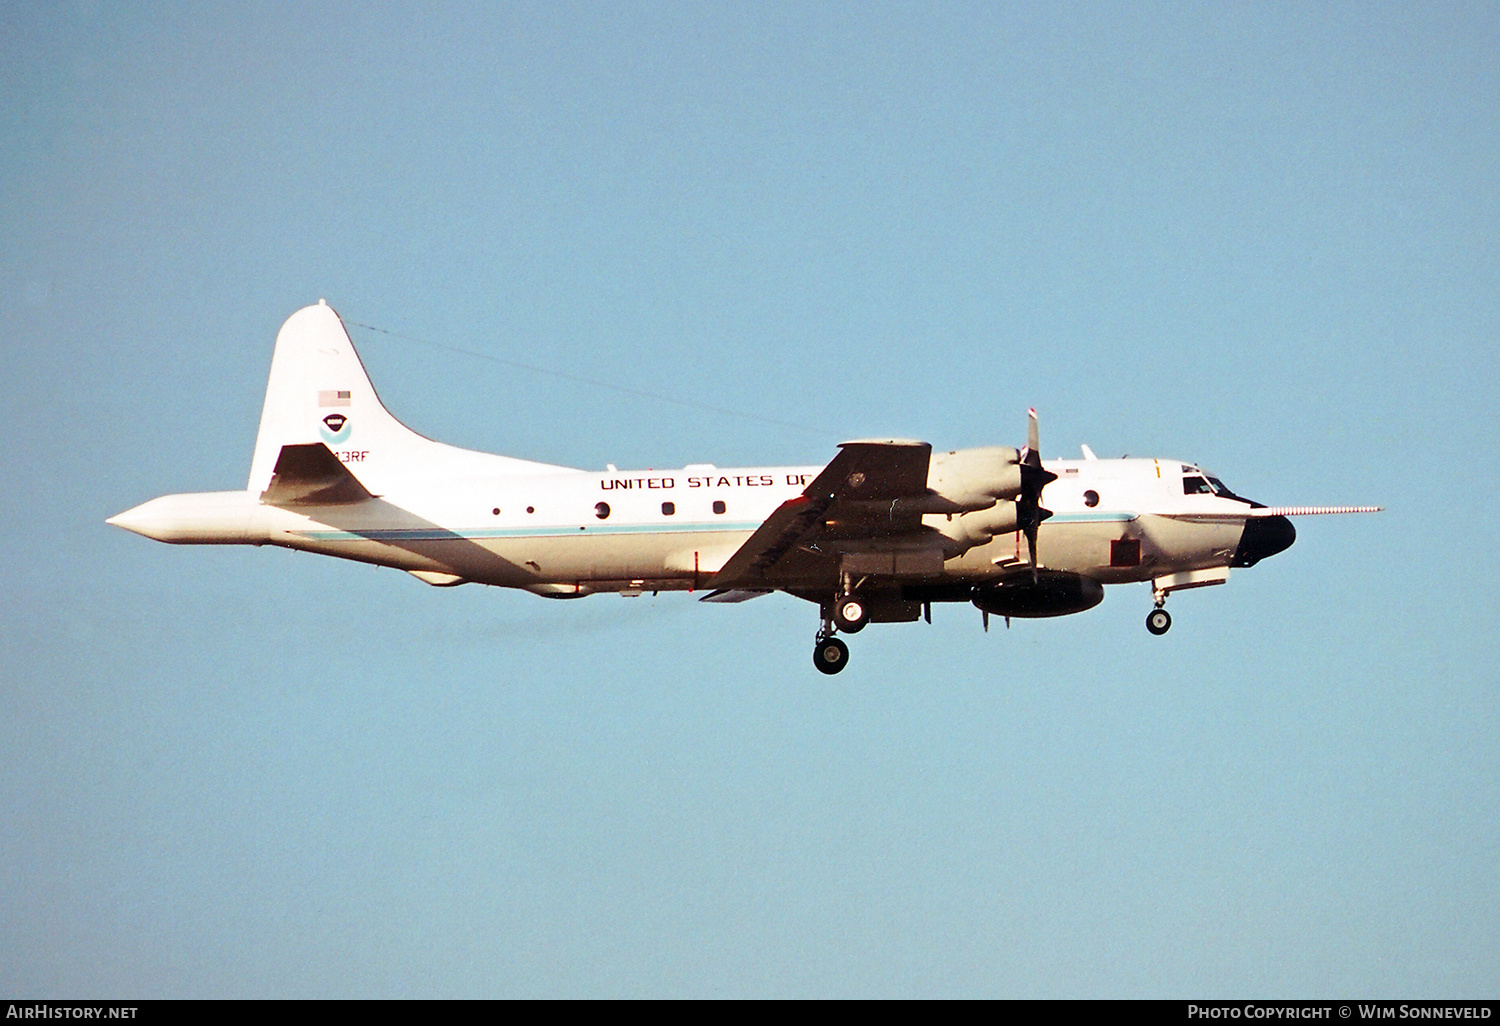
{"x": 1256, "y": 236}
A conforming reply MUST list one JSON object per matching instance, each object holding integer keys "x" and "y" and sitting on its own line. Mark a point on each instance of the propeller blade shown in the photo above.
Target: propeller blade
{"x": 1034, "y": 477}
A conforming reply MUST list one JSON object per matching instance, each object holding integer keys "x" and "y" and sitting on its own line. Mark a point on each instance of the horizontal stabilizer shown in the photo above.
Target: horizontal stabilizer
{"x": 311, "y": 475}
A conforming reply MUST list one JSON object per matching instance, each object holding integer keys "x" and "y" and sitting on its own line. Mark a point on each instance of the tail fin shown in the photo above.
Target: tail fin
{"x": 319, "y": 393}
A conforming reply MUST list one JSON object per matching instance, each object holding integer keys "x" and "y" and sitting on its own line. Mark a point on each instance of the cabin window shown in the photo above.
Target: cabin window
{"x": 601, "y": 510}
{"x": 1091, "y": 498}
{"x": 495, "y": 511}
{"x": 719, "y": 506}
{"x": 668, "y": 508}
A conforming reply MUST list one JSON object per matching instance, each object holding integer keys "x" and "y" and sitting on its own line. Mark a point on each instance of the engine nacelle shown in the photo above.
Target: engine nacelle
{"x": 970, "y": 477}
{"x": 1054, "y": 593}
{"x": 967, "y": 530}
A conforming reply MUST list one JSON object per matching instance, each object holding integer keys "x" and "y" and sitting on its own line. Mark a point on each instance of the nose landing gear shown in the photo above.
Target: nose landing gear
{"x": 1159, "y": 621}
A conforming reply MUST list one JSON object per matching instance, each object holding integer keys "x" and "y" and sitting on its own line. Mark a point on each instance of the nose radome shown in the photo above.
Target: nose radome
{"x": 1262, "y": 537}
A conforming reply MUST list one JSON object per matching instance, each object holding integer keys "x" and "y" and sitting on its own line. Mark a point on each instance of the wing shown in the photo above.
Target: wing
{"x": 871, "y": 494}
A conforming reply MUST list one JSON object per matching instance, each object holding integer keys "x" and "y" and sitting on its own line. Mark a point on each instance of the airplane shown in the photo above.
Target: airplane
{"x": 877, "y": 535}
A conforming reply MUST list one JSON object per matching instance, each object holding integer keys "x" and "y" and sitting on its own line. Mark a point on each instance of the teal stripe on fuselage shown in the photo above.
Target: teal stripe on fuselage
{"x": 1091, "y": 518}
{"x": 439, "y": 534}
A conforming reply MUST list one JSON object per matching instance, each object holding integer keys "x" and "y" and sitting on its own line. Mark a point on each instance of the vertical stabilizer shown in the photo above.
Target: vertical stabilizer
{"x": 319, "y": 393}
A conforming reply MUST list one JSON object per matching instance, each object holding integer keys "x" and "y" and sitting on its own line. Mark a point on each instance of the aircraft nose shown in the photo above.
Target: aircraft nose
{"x": 1262, "y": 537}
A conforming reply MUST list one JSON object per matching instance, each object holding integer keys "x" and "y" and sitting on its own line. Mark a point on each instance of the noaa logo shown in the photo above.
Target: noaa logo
{"x": 335, "y": 429}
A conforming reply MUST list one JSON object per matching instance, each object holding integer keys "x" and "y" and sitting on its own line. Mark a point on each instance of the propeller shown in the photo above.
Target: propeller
{"x": 1029, "y": 511}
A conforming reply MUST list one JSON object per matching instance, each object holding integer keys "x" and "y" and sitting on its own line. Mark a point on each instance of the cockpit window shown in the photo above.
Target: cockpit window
{"x": 1196, "y": 482}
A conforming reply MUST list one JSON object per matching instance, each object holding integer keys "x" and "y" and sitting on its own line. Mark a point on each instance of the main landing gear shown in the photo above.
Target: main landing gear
{"x": 848, "y": 613}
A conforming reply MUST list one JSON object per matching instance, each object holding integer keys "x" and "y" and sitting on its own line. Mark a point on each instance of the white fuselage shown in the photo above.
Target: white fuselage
{"x": 564, "y": 533}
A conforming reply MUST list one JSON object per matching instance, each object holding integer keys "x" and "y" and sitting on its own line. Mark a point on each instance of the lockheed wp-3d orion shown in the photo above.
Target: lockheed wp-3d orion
{"x": 881, "y": 532}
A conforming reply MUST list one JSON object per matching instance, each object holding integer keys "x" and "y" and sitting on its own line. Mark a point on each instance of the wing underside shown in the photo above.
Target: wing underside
{"x": 862, "y": 512}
